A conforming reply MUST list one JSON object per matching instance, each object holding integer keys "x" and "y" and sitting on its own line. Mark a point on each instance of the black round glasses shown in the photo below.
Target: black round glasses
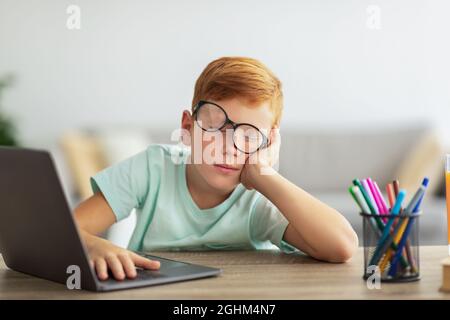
{"x": 211, "y": 117}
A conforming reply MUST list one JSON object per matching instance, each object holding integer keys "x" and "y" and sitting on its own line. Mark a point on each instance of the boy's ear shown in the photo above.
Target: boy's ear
{"x": 274, "y": 131}
{"x": 187, "y": 122}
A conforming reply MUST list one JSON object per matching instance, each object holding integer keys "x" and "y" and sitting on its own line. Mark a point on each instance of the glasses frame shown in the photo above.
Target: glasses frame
{"x": 228, "y": 121}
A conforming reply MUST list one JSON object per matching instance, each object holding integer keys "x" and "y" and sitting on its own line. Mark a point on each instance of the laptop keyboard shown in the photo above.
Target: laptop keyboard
{"x": 143, "y": 274}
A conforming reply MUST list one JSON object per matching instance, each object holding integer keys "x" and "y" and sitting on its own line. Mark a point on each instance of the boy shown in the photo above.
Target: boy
{"x": 221, "y": 192}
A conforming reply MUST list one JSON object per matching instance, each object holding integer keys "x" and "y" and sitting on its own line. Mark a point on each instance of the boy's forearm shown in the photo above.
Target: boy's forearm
{"x": 323, "y": 228}
{"x": 94, "y": 215}
{"x": 89, "y": 239}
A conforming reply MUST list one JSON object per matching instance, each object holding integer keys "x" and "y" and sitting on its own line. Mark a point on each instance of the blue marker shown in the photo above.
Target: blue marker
{"x": 415, "y": 208}
{"x": 382, "y": 244}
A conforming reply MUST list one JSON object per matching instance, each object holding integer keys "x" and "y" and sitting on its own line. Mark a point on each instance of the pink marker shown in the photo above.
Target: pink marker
{"x": 381, "y": 198}
{"x": 366, "y": 186}
{"x": 375, "y": 197}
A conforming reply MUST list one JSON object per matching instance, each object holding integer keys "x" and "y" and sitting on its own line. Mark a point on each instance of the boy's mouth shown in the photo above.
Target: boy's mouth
{"x": 225, "y": 168}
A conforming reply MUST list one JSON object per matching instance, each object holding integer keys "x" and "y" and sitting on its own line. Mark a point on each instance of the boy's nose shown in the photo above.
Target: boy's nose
{"x": 228, "y": 145}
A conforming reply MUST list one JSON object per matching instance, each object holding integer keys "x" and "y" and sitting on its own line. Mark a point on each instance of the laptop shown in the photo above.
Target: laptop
{"x": 39, "y": 237}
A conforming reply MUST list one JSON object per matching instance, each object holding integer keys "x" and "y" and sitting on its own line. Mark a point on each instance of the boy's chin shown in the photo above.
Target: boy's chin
{"x": 223, "y": 184}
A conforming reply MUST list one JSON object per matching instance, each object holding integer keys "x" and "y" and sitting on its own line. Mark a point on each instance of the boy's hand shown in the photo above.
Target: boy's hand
{"x": 260, "y": 163}
{"x": 104, "y": 255}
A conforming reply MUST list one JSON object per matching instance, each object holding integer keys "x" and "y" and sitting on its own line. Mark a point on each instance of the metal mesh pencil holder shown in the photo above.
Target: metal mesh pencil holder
{"x": 391, "y": 246}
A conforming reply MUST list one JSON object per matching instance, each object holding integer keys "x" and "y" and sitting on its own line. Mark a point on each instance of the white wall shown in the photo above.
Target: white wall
{"x": 135, "y": 62}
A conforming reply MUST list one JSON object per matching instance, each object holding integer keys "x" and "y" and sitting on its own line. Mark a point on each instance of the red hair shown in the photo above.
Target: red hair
{"x": 242, "y": 77}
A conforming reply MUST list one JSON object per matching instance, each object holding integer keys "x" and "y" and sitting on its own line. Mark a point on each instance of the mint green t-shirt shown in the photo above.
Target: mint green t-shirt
{"x": 154, "y": 183}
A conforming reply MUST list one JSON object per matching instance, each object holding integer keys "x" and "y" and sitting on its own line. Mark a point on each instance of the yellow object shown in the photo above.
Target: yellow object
{"x": 445, "y": 274}
{"x": 447, "y": 195}
{"x": 85, "y": 158}
{"x": 390, "y": 252}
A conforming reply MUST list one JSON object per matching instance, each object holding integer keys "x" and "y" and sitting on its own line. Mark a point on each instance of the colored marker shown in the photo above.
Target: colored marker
{"x": 412, "y": 207}
{"x": 382, "y": 208}
{"x": 391, "y": 252}
{"x": 374, "y": 194}
{"x": 359, "y": 199}
{"x": 372, "y": 209}
{"x": 358, "y": 183}
{"x": 357, "y": 196}
{"x": 396, "y": 186}
{"x": 447, "y": 196}
{"x": 366, "y": 186}
{"x": 383, "y": 242}
{"x": 381, "y": 198}
{"x": 397, "y": 238}
{"x": 391, "y": 195}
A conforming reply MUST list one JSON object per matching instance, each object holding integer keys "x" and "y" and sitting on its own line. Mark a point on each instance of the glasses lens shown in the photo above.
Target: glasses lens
{"x": 210, "y": 117}
{"x": 247, "y": 139}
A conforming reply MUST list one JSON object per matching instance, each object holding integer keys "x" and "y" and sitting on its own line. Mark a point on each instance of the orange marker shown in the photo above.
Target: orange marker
{"x": 391, "y": 194}
{"x": 447, "y": 196}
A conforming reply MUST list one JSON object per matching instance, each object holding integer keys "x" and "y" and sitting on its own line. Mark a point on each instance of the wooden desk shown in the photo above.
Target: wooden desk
{"x": 253, "y": 275}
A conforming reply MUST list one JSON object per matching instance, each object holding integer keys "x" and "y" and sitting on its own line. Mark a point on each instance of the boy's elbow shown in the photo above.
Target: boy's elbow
{"x": 345, "y": 248}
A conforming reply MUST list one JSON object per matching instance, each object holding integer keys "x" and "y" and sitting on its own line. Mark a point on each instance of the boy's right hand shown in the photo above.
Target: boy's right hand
{"x": 104, "y": 255}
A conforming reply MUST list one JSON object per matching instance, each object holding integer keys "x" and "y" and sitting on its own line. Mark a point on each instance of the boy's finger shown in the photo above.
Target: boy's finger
{"x": 145, "y": 263}
{"x": 101, "y": 268}
{"x": 128, "y": 265}
{"x": 116, "y": 267}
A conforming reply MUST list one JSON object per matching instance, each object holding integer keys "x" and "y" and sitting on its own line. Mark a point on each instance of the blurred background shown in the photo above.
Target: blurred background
{"x": 366, "y": 85}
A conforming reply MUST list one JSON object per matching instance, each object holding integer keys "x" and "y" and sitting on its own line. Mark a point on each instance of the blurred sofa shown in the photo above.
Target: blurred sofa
{"x": 323, "y": 162}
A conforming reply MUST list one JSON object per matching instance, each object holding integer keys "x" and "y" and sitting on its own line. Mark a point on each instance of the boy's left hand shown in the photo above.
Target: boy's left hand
{"x": 260, "y": 163}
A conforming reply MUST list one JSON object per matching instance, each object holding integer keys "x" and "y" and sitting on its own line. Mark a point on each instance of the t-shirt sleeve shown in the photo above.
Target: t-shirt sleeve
{"x": 267, "y": 223}
{"x": 124, "y": 185}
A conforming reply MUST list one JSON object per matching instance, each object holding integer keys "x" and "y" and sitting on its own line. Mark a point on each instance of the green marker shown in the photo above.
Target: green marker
{"x": 357, "y": 183}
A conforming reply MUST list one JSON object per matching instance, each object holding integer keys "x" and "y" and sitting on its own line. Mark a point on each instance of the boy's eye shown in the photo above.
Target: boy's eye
{"x": 250, "y": 134}
{"x": 211, "y": 117}
{"x": 250, "y": 137}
